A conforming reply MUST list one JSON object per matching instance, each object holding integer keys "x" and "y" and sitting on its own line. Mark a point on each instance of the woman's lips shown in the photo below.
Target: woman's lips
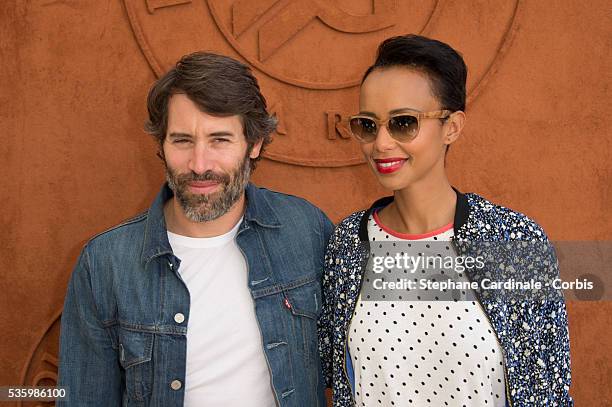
{"x": 202, "y": 187}
{"x": 389, "y": 165}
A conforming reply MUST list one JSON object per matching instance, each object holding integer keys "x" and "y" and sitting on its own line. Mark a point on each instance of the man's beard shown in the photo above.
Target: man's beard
{"x": 207, "y": 207}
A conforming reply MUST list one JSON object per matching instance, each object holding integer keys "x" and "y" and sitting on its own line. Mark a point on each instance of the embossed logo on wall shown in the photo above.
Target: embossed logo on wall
{"x": 309, "y": 55}
{"x": 42, "y": 366}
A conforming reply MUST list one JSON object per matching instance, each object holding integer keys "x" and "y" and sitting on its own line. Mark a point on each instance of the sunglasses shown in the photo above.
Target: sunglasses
{"x": 401, "y": 126}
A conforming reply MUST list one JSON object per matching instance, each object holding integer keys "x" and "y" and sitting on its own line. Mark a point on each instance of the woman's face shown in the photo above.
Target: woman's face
{"x": 396, "y": 164}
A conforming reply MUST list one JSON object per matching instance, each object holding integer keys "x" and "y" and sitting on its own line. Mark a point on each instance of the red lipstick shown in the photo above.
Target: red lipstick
{"x": 389, "y": 165}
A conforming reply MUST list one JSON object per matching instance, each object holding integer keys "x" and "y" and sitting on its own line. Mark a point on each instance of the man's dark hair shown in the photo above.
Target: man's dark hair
{"x": 219, "y": 86}
{"x": 443, "y": 66}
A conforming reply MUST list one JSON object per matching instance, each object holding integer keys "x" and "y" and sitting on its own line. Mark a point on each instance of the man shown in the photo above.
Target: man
{"x": 209, "y": 298}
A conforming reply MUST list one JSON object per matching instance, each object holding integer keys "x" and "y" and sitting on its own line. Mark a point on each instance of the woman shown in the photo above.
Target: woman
{"x": 491, "y": 351}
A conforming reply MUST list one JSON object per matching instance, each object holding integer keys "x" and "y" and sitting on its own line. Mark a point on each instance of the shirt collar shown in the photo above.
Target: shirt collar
{"x": 258, "y": 210}
{"x": 461, "y": 213}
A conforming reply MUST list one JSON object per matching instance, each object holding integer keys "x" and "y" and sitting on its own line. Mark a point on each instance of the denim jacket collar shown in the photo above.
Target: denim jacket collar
{"x": 258, "y": 210}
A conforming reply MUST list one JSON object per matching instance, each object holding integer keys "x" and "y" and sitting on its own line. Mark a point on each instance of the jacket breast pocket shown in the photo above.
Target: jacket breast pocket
{"x": 304, "y": 302}
{"x": 135, "y": 356}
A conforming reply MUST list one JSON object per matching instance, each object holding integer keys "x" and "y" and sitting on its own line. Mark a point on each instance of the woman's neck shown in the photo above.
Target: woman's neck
{"x": 420, "y": 208}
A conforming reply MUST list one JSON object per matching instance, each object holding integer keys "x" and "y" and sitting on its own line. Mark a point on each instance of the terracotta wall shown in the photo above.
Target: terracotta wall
{"x": 74, "y": 76}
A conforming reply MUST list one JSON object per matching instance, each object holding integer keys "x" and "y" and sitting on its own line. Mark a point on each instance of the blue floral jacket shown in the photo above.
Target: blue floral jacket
{"x": 533, "y": 334}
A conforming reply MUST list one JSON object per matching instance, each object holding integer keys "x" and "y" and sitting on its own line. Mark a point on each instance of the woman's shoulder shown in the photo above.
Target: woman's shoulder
{"x": 346, "y": 232}
{"x": 352, "y": 221}
{"x": 513, "y": 224}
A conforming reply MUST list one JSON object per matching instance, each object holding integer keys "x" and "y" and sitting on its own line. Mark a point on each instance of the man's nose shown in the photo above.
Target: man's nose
{"x": 201, "y": 159}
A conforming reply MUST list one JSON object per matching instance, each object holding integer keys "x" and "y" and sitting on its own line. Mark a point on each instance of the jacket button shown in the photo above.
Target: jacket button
{"x": 179, "y": 318}
{"x": 176, "y": 385}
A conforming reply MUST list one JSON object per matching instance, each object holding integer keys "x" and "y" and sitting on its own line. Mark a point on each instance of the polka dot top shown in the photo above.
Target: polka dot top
{"x": 423, "y": 353}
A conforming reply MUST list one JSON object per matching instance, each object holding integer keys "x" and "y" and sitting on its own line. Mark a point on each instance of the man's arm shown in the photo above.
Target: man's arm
{"x": 327, "y": 226}
{"x": 88, "y": 363}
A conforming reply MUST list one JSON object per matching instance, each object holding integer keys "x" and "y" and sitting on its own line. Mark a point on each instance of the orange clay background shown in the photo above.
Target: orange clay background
{"x": 73, "y": 81}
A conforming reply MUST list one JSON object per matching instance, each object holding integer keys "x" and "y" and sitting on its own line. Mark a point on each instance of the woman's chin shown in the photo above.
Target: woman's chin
{"x": 392, "y": 183}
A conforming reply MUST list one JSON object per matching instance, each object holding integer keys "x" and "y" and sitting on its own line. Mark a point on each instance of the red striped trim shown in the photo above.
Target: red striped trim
{"x": 408, "y": 236}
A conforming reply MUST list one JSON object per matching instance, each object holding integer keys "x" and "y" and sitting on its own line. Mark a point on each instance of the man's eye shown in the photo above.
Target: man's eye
{"x": 181, "y": 141}
{"x": 221, "y": 140}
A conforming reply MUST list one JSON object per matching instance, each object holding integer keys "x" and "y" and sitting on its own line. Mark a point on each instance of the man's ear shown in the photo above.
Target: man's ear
{"x": 454, "y": 125}
{"x": 160, "y": 152}
{"x": 256, "y": 149}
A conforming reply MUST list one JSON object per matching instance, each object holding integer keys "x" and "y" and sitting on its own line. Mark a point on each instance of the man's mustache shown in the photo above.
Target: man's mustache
{"x": 207, "y": 176}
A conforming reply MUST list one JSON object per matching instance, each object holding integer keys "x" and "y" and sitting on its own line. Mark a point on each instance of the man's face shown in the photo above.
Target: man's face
{"x": 206, "y": 158}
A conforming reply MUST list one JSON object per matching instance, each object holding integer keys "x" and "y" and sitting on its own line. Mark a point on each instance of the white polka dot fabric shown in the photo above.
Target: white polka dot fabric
{"x": 424, "y": 353}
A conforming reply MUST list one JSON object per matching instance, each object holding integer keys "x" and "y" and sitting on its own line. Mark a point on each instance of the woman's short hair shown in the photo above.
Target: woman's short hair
{"x": 443, "y": 66}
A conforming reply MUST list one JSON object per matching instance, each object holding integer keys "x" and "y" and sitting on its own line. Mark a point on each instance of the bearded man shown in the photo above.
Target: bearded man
{"x": 209, "y": 298}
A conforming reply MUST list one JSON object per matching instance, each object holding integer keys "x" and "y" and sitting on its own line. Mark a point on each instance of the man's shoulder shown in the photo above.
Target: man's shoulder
{"x": 285, "y": 201}
{"x": 127, "y": 231}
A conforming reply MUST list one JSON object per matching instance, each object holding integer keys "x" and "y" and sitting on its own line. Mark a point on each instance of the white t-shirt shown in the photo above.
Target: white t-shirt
{"x": 226, "y": 365}
{"x": 424, "y": 353}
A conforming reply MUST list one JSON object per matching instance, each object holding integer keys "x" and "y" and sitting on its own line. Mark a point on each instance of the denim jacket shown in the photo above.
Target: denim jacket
{"x": 533, "y": 334}
{"x": 120, "y": 344}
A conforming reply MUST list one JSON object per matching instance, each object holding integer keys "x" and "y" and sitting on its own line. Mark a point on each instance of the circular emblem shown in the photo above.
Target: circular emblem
{"x": 42, "y": 366}
{"x": 309, "y": 55}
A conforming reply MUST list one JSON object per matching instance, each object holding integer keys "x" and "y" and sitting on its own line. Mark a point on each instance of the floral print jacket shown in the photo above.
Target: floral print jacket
{"x": 533, "y": 334}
